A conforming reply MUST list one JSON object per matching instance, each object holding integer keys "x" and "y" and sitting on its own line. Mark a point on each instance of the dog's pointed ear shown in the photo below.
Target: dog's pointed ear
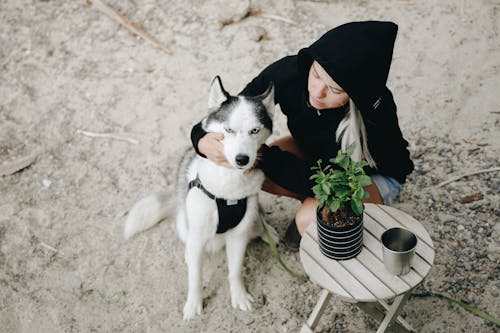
{"x": 268, "y": 98}
{"x": 217, "y": 94}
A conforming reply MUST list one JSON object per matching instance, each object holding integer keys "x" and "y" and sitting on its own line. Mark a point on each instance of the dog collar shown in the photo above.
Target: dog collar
{"x": 197, "y": 183}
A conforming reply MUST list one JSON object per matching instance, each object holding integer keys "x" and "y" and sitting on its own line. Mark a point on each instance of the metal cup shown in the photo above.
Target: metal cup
{"x": 398, "y": 247}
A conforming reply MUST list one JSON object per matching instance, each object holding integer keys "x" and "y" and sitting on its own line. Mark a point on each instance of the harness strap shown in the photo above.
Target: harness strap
{"x": 229, "y": 202}
{"x": 197, "y": 183}
{"x": 230, "y": 212}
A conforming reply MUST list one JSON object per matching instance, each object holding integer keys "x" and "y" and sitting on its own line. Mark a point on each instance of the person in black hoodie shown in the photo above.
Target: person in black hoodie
{"x": 333, "y": 93}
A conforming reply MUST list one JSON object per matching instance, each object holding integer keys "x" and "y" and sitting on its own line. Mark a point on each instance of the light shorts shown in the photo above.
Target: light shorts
{"x": 388, "y": 187}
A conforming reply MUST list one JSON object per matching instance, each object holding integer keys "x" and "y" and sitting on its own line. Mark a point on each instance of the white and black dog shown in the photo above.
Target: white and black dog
{"x": 217, "y": 206}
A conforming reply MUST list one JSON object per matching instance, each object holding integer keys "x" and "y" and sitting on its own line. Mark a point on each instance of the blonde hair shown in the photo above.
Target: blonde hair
{"x": 352, "y": 129}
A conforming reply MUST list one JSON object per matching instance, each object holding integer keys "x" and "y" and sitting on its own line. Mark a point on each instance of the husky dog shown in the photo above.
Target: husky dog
{"x": 217, "y": 206}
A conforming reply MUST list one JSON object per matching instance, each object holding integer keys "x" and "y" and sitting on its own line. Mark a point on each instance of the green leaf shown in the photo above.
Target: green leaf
{"x": 359, "y": 165}
{"x": 357, "y": 206}
{"x": 325, "y": 188}
{"x": 334, "y": 205}
{"x": 359, "y": 194}
{"x": 344, "y": 179}
{"x": 341, "y": 190}
{"x": 317, "y": 167}
{"x": 364, "y": 180}
{"x": 321, "y": 203}
{"x": 317, "y": 191}
{"x": 337, "y": 173}
{"x": 343, "y": 162}
{"x": 351, "y": 148}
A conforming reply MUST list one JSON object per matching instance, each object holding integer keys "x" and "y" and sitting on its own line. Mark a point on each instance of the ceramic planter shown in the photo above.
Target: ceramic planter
{"x": 340, "y": 243}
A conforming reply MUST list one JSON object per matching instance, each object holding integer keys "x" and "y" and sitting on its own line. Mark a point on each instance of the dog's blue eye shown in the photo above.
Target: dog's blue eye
{"x": 255, "y": 131}
{"x": 228, "y": 130}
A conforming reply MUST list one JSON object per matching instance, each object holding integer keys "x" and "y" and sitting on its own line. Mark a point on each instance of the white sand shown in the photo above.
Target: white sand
{"x": 65, "y": 66}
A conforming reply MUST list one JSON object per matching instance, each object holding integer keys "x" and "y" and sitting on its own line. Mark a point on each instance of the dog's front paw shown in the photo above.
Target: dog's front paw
{"x": 240, "y": 299}
{"x": 192, "y": 307}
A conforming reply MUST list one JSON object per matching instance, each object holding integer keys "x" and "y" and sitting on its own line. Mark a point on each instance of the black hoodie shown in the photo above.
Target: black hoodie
{"x": 357, "y": 56}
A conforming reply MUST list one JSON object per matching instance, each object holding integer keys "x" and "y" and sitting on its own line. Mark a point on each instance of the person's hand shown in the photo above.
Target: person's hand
{"x": 211, "y": 146}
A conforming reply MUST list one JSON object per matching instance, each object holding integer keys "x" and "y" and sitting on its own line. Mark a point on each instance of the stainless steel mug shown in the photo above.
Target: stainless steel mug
{"x": 398, "y": 247}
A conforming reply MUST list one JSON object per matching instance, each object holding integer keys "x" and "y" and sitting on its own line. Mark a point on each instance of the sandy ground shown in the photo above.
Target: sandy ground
{"x": 64, "y": 66}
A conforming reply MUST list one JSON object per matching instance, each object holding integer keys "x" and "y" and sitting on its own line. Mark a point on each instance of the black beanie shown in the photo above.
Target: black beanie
{"x": 357, "y": 56}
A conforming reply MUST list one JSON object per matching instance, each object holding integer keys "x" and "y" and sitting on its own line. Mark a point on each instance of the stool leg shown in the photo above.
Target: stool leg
{"x": 378, "y": 310}
{"x": 318, "y": 310}
{"x": 393, "y": 312}
{"x": 399, "y": 320}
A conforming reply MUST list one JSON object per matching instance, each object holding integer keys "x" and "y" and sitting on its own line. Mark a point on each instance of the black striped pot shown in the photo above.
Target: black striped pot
{"x": 340, "y": 243}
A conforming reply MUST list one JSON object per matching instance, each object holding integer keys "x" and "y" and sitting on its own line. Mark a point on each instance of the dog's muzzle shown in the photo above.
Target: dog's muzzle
{"x": 242, "y": 160}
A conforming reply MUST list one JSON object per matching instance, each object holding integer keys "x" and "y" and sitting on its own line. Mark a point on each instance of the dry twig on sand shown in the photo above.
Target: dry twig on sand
{"x": 42, "y": 244}
{"x": 467, "y": 174}
{"x": 108, "y": 136}
{"x": 9, "y": 168}
{"x": 480, "y": 144}
{"x": 127, "y": 23}
{"x": 471, "y": 198}
{"x": 273, "y": 17}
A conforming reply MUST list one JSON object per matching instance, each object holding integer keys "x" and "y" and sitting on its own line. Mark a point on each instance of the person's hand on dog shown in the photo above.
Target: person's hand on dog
{"x": 211, "y": 146}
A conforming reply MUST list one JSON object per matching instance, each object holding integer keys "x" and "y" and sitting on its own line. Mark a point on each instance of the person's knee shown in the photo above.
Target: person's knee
{"x": 374, "y": 193}
{"x": 306, "y": 214}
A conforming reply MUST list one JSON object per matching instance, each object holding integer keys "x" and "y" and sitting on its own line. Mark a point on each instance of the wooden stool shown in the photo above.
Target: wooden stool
{"x": 364, "y": 280}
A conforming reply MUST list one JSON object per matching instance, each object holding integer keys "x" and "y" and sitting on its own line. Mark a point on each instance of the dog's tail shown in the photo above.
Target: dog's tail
{"x": 146, "y": 213}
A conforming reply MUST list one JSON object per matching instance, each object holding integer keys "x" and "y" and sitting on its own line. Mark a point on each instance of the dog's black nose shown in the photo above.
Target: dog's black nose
{"x": 242, "y": 160}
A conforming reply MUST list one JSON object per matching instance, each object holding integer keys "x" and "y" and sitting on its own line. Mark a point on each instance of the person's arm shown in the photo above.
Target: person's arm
{"x": 393, "y": 158}
{"x": 197, "y": 132}
{"x": 287, "y": 170}
{"x": 386, "y": 142}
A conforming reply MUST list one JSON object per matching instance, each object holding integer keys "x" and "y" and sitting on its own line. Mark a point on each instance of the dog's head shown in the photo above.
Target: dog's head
{"x": 246, "y": 122}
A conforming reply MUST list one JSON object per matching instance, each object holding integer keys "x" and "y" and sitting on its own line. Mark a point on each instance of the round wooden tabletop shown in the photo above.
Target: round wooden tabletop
{"x": 364, "y": 278}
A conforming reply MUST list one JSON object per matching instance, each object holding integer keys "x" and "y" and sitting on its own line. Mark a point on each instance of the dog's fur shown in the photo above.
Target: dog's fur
{"x": 246, "y": 123}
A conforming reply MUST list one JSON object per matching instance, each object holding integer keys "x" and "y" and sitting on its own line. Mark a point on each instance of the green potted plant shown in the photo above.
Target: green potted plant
{"x": 339, "y": 189}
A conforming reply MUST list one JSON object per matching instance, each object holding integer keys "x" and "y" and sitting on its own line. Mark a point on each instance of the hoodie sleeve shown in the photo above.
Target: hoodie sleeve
{"x": 386, "y": 142}
{"x": 197, "y": 132}
{"x": 287, "y": 170}
{"x": 290, "y": 171}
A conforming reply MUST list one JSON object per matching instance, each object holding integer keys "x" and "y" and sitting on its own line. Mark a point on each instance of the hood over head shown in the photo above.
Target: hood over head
{"x": 358, "y": 57}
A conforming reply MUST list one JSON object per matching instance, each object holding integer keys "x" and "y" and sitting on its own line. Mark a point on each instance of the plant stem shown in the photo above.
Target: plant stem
{"x": 274, "y": 250}
{"x": 464, "y": 305}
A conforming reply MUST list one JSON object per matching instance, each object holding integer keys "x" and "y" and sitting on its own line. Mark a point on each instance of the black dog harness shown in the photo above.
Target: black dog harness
{"x": 231, "y": 212}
